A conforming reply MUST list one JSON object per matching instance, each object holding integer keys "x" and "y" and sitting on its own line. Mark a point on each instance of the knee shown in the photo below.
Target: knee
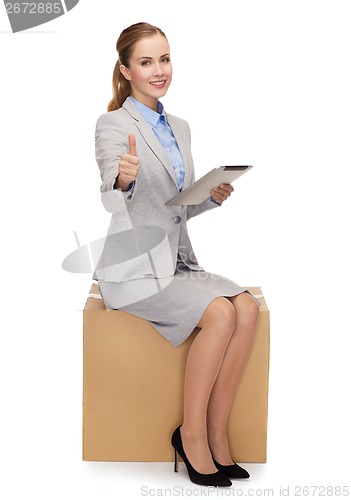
{"x": 220, "y": 316}
{"x": 247, "y": 311}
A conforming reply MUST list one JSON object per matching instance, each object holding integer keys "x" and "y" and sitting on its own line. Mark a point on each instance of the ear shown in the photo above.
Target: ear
{"x": 125, "y": 72}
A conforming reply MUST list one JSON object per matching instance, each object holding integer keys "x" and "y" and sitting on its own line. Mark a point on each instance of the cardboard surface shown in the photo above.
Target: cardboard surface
{"x": 133, "y": 389}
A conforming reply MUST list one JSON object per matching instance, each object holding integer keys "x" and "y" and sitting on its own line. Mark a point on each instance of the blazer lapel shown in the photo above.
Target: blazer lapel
{"x": 150, "y": 138}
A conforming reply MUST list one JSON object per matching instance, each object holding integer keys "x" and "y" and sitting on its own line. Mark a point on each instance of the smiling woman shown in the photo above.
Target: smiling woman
{"x": 141, "y": 66}
{"x": 149, "y": 75}
{"x": 145, "y": 159}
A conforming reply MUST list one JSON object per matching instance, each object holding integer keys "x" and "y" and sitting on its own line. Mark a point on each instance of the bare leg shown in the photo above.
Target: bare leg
{"x": 229, "y": 376}
{"x": 203, "y": 365}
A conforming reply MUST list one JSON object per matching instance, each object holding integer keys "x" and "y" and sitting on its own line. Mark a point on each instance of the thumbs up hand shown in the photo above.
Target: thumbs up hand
{"x": 128, "y": 166}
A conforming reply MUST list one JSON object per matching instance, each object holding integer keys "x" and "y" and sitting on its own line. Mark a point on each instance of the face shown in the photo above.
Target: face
{"x": 150, "y": 70}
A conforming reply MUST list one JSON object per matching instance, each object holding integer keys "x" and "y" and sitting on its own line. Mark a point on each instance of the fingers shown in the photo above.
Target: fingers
{"x": 128, "y": 162}
{"x": 132, "y": 145}
{"x": 222, "y": 192}
{"x": 226, "y": 187}
{"x": 128, "y": 158}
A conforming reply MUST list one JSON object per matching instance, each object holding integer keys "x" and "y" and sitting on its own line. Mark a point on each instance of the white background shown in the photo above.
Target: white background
{"x": 260, "y": 82}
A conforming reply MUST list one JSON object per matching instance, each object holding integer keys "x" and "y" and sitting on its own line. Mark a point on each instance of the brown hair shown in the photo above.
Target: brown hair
{"x": 121, "y": 88}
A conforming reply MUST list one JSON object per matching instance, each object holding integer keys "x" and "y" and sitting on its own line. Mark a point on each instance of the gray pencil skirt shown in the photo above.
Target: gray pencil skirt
{"x": 176, "y": 305}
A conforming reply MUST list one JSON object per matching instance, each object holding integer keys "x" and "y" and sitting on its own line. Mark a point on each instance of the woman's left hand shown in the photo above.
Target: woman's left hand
{"x": 222, "y": 192}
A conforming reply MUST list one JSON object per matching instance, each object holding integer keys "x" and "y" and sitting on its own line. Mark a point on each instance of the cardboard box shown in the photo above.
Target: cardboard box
{"x": 133, "y": 389}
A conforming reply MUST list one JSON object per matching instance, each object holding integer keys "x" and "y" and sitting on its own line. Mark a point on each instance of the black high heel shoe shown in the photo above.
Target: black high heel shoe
{"x": 214, "y": 479}
{"x": 233, "y": 471}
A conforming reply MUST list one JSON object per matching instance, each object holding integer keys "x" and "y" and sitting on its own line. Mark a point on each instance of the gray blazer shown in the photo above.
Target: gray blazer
{"x": 142, "y": 226}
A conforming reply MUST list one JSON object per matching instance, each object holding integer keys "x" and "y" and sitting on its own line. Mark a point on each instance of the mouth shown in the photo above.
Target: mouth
{"x": 158, "y": 83}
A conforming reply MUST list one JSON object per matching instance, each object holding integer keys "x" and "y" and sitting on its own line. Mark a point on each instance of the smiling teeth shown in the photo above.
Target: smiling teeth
{"x": 158, "y": 83}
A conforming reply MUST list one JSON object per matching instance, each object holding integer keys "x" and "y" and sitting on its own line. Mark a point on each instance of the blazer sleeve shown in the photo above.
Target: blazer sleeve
{"x": 111, "y": 141}
{"x": 194, "y": 210}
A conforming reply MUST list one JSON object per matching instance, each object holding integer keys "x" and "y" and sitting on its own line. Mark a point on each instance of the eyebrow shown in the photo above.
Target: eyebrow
{"x": 147, "y": 57}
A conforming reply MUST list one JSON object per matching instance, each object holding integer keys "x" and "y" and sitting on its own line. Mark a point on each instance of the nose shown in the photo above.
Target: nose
{"x": 158, "y": 69}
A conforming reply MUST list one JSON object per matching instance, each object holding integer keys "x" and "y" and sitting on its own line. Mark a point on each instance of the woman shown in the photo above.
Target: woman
{"x": 145, "y": 160}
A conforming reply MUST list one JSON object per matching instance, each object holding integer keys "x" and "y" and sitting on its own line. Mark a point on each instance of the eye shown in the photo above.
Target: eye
{"x": 166, "y": 59}
{"x": 145, "y": 63}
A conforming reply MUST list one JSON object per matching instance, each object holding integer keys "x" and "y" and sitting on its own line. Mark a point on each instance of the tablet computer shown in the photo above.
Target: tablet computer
{"x": 200, "y": 190}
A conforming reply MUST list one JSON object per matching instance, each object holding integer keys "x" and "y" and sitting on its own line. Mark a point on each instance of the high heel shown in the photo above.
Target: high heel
{"x": 214, "y": 479}
{"x": 233, "y": 471}
{"x": 175, "y": 460}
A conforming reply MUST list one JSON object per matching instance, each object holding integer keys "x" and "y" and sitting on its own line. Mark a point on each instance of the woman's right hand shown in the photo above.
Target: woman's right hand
{"x": 128, "y": 166}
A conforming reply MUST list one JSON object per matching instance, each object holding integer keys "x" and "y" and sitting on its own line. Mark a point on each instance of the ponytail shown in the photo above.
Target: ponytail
{"x": 121, "y": 89}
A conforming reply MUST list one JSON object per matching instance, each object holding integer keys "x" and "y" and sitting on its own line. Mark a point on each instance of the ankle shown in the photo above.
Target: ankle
{"x": 216, "y": 431}
{"x": 218, "y": 444}
{"x": 195, "y": 429}
{"x": 193, "y": 432}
